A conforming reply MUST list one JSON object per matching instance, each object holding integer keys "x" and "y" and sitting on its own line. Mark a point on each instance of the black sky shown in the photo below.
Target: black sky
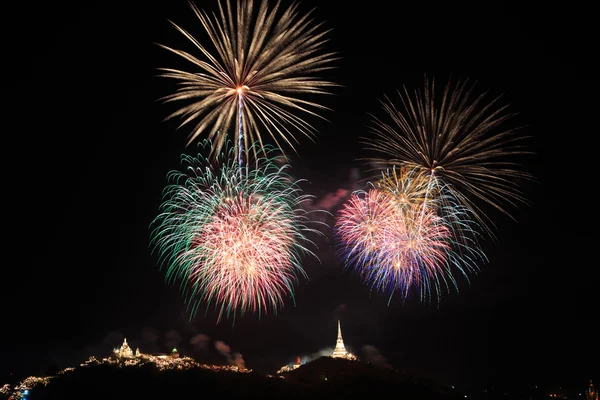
{"x": 88, "y": 157}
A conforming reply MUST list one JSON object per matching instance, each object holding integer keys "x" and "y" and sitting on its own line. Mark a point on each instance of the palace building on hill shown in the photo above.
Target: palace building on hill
{"x": 126, "y": 353}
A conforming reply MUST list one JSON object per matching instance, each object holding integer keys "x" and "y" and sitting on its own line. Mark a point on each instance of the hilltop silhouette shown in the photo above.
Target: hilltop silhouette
{"x": 326, "y": 376}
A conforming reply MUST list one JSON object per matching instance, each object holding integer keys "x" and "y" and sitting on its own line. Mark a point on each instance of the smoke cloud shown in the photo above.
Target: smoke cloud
{"x": 200, "y": 342}
{"x": 233, "y": 359}
{"x": 223, "y": 348}
{"x": 374, "y": 356}
{"x": 326, "y": 352}
{"x": 172, "y": 338}
{"x": 332, "y": 200}
{"x": 238, "y": 360}
{"x": 150, "y": 335}
{"x": 150, "y": 338}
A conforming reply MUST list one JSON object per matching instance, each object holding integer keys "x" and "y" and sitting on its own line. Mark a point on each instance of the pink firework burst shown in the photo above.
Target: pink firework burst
{"x": 395, "y": 246}
{"x": 247, "y": 258}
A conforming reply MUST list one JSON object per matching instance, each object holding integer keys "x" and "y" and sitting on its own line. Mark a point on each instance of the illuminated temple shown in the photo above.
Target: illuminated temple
{"x": 340, "y": 349}
{"x": 125, "y": 351}
{"x": 122, "y": 357}
{"x": 339, "y": 352}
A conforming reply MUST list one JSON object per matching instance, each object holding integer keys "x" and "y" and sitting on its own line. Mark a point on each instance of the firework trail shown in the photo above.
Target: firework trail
{"x": 457, "y": 138}
{"x": 262, "y": 65}
{"x": 233, "y": 240}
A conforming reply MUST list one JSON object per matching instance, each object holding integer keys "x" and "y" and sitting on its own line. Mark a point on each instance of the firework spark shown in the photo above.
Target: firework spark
{"x": 233, "y": 239}
{"x": 262, "y": 66}
{"x": 459, "y": 140}
{"x": 396, "y": 239}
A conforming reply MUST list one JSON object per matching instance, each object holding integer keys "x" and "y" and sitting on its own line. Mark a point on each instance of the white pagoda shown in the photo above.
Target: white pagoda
{"x": 340, "y": 349}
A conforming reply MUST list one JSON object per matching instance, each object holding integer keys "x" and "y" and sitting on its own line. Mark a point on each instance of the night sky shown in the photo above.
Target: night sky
{"x": 90, "y": 152}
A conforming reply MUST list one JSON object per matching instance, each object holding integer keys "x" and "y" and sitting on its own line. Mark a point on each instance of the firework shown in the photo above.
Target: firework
{"x": 400, "y": 239}
{"x": 263, "y": 63}
{"x": 441, "y": 154}
{"x": 234, "y": 240}
{"x": 456, "y": 138}
{"x": 408, "y": 187}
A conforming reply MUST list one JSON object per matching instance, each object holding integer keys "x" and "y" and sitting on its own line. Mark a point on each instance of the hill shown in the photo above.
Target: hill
{"x": 325, "y": 378}
{"x": 340, "y": 378}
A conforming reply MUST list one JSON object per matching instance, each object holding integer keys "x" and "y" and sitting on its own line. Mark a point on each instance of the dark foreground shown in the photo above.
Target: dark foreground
{"x": 325, "y": 378}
